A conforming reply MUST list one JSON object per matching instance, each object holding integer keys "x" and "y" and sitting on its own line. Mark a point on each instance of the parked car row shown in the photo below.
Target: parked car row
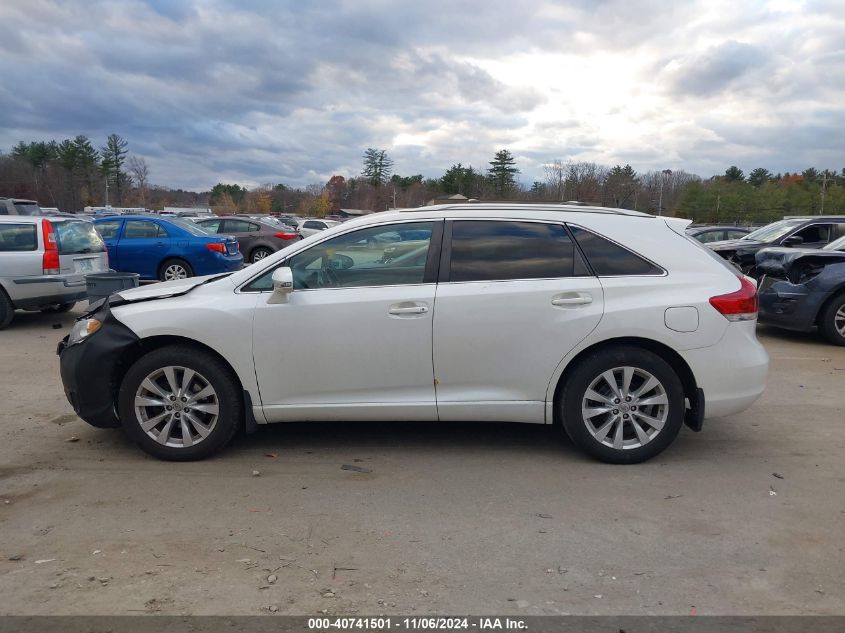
{"x": 800, "y": 267}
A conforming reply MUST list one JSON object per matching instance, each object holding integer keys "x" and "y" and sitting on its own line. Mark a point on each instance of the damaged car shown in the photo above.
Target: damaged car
{"x": 804, "y": 232}
{"x": 803, "y": 289}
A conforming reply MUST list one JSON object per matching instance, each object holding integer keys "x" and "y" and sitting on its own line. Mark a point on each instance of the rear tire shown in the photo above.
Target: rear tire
{"x": 7, "y": 309}
{"x": 175, "y": 269}
{"x": 832, "y": 320}
{"x": 260, "y": 253}
{"x": 180, "y": 403}
{"x": 631, "y": 420}
{"x": 59, "y": 309}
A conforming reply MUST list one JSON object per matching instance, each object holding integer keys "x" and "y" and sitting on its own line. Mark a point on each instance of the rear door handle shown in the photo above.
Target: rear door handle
{"x": 400, "y": 309}
{"x": 572, "y": 299}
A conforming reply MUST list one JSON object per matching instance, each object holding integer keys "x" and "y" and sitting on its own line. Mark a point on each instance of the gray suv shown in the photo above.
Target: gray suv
{"x": 43, "y": 263}
{"x": 19, "y": 206}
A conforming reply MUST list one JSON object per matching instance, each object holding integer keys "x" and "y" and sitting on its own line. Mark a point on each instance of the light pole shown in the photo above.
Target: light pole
{"x": 663, "y": 174}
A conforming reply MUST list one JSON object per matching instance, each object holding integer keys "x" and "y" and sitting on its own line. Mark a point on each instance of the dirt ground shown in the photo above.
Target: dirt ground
{"x": 746, "y": 517}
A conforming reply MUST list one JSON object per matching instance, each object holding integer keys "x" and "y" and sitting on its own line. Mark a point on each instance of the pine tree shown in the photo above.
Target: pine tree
{"x": 502, "y": 173}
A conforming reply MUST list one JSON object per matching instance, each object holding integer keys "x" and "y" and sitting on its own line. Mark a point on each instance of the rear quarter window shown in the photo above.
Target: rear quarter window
{"x": 609, "y": 259}
{"x": 18, "y": 237}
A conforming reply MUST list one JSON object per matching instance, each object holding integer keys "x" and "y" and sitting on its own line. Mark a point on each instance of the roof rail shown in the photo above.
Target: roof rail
{"x": 575, "y": 207}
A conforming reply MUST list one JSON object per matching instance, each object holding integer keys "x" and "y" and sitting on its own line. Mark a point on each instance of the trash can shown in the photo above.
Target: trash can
{"x": 101, "y": 285}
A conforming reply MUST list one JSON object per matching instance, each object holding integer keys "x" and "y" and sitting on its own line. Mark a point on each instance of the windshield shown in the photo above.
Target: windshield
{"x": 191, "y": 227}
{"x": 78, "y": 237}
{"x": 27, "y": 208}
{"x": 836, "y": 245}
{"x": 772, "y": 232}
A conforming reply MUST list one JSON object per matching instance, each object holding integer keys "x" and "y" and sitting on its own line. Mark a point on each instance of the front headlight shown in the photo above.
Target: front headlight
{"x": 83, "y": 329}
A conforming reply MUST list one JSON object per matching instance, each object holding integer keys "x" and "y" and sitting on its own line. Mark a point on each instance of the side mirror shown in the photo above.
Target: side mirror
{"x": 282, "y": 284}
{"x": 792, "y": 240}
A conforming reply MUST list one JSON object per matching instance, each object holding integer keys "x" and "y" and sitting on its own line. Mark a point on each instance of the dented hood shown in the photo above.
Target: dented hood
{"x": 781, "y": 261}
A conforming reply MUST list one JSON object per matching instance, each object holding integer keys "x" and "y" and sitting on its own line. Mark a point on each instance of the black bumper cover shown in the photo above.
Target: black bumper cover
{"x": 90, "y": 369}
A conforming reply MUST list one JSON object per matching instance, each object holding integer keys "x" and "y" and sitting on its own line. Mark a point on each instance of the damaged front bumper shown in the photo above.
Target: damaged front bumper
{"x": 90, "y": 369}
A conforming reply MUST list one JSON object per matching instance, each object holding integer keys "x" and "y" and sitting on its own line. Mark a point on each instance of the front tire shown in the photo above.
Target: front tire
{"x": 622, "y": 405}
{"x": 180, "y": 403}
{"x": 832, "y": 320}
{"x": 175, "y": 269}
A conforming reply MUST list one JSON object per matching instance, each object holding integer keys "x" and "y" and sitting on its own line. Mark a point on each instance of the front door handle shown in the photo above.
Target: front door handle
{"x": 572, "y": 299}
{"x": 402, "y": 309}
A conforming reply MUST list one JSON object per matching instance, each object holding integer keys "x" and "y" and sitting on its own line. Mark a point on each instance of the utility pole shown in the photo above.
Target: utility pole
{"x": 824, "y": 186}
{"x": 107, "y": 190}
{"x": 663, "y": 174}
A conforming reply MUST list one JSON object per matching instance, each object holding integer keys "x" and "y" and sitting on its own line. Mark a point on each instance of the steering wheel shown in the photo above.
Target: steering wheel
{"x": 329, "y": 278}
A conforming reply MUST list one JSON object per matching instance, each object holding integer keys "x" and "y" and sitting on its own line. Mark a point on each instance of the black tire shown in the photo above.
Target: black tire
{"x": 60, "y": 308}
{"x": 7, "y": 309}
{"x": 259, "y": 253}
{"x": 162, "y": 271}
{"x": 212, "y": 370}
{"x": 828, "y": 320}
{"x": 590, "y": 369}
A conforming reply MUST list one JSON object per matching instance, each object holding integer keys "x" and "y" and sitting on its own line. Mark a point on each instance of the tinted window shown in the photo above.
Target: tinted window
{"x": 27, "y": 208}
{"x": 311, "y": 224}
{"x": 238, "y": 226}
{"x": 210, "y": 225}
{"x": 734, "y": 235}
{"x": 610, "y": 259}
{"x": 710, "y": 236}
{"x": 78, "y": 237}
{"x": 487, "y": 250}
{"x": 367, "y": 257}
{"x": 18, "y": 237}
{"x": 108, "y": 229}
{"x": 815, "y": 233}
{"x": 140, "y": 228}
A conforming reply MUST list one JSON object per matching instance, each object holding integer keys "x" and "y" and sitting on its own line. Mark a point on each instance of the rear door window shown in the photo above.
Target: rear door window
{"x": 212, "y": 226}
{"x": 78, "y": 237}
{"x": 136, "y": 229}
{"x": 18, "y": 237}
{"x": 609, "y": 259}
{"x": 488, "y": 250}
{"x": 237, "y": 226}
{"x": 108, "y": 229}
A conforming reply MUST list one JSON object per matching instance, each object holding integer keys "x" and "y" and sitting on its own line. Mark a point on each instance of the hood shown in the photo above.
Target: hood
{"x": 162, "y": 290}
{"x": 732, "y": 245}
{"x": 793, "y": 263}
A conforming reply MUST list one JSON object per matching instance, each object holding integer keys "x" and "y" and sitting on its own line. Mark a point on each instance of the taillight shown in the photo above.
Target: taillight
{"x": 50, "y": 264}
{"x": 285, "y": 235}
{"x": 217, "y": 247}
{"x": 740, "y": 305}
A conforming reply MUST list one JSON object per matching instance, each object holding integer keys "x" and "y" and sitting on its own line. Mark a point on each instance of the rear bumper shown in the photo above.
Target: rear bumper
{"x": 33, "y": 292}
{"x": 732, "y": 373}
{"x": 90, "y": 370}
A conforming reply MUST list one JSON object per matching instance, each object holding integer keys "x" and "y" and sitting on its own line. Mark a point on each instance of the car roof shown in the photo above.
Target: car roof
{"x": 526, "y": 208}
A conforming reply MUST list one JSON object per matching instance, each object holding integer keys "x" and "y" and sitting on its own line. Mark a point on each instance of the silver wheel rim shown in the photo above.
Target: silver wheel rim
{"x": 839, "y": 321}
{"x": 259, "y": 255}
{"x": 176, "y": 406}
{"x": 625, "y": 408}
{"x": 175, "y": 271}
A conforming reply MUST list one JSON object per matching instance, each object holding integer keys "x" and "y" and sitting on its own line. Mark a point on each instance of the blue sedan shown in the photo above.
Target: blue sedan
{"x": 166, "y": 249}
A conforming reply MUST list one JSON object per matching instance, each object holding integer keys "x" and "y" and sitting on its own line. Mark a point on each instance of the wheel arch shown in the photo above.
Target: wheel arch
{"x": 146, "y": 345}
{"x": 675, "y": 360}
{"x": 834, "y": 294}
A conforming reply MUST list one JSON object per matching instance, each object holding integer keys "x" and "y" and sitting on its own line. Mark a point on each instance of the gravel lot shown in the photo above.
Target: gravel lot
{"x": 451, "y": 518}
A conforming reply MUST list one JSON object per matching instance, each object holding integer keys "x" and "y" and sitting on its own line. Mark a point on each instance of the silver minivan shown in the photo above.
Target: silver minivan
{"x": 43, "y": 263}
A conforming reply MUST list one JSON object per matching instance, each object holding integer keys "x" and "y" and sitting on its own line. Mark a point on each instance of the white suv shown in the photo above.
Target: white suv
{"x": 43, "y": 262}
{"x": 612, "y": 323}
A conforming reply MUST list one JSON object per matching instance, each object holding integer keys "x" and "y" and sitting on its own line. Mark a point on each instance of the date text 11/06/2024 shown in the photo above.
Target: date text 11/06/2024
{"x": 428, "y": 624}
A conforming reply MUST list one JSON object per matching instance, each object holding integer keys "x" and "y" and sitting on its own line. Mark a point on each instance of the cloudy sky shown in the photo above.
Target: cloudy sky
{"x": 253, "y": 91}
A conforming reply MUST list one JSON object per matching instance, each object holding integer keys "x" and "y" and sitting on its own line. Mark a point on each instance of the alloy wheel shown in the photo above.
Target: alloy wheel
{"x": 260, "y": 254}
{"x": 625, "y": 408}
{"x": 176, "y": 406}
{"x": 175, "y": 271}
{"x": 839, "y": 320}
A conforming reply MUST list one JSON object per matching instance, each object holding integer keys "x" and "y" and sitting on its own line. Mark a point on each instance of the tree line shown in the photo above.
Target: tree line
{"x": 72, "y": 173}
